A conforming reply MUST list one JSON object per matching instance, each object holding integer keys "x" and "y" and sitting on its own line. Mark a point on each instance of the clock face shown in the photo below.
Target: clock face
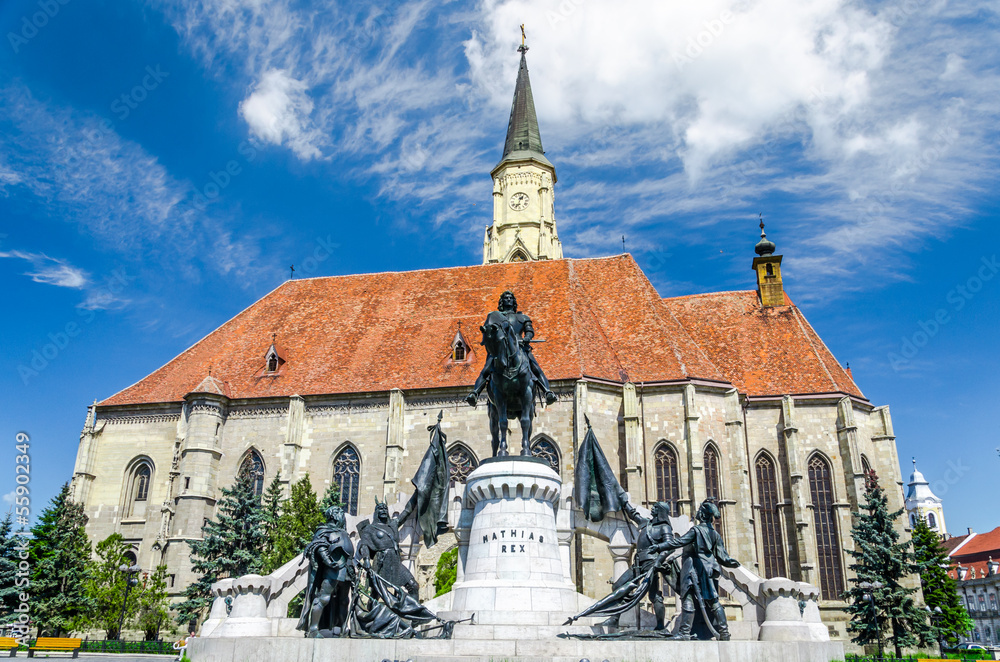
{"x": 518, "y": 201}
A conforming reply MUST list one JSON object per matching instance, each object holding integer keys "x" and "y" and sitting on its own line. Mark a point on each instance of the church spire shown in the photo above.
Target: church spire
{"x": 524, "y": 223}
{"x": 524, "y": 140}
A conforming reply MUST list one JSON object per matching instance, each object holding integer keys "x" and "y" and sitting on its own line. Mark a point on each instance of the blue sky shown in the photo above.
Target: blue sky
{"x": 163, "y": 163}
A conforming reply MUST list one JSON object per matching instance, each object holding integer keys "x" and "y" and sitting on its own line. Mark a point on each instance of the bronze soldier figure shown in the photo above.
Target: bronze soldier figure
{"x": 327, "y": 602}
{"x": 378, "y": 546}
{"x": 699, "y": 581}
{"x": 653, "y": 531}
{"x": 523, "y": 329}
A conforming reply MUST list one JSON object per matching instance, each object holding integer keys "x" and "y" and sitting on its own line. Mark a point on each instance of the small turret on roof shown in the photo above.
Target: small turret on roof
{"x": 211, "y": 385}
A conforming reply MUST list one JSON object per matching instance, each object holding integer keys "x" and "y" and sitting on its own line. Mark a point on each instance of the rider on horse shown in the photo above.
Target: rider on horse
{"x": 521, "y": 326}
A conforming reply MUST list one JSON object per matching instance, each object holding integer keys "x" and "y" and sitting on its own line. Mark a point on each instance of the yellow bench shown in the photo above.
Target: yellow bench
{"x": 9, "y": 643}
{"x": 57, "y": 644}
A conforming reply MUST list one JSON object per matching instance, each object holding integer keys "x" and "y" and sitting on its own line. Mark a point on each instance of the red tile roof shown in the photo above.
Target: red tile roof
{"x": 980, "y": 548}
{"x": 761, "y": 351}
{"x": 950, "y": 544}
{"x": 600, "y": 318}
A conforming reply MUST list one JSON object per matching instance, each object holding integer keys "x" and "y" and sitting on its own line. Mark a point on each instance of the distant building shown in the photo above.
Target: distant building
{"x": 978, "y": 577}
{"x": 922, "y": 503}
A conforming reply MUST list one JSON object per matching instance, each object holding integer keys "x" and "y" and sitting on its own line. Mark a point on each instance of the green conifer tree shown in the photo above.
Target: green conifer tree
{"x": 273, "y": 498}
{"x": 940, "y": 590}
{"x": 106, "y": 587}
{"x": 331, "y": 498}
{"x": 8, "y": 570}
{"x": 59, "y": 552}
{"x": 882, "y": 609}
{"x": 299, "y": 519}
{"x": 153, "y": 612}
{"x": 232, "y": 546}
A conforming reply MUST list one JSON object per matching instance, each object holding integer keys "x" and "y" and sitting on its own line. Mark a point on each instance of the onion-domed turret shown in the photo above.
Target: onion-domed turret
{"x": 765, "y": 246}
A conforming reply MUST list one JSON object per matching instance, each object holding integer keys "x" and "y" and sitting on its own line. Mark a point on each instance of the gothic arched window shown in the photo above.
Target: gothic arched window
{"x": 129, "y": 558}
{"x": 347, "y": 477}
{"x": 546, "y": 450}
{"x": 463, "y": 462}
{"x": 272, "y": 363}
{"x": 668, "y": 487}
{"x": 827, "y": 541}
{"x": 253, "y": 466}
{"x": 138, "y": 489}
{"x": 931, "y": 521}
{"x": 770, "y": 517}
{"x": 713, "y": 489}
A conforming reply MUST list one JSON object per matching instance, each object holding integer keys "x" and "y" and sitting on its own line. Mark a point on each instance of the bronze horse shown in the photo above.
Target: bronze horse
{"x": 510, "y": 390}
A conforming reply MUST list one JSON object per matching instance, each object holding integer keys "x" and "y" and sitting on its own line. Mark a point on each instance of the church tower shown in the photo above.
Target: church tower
{"x": 922, "y": 503}
{"x": 524, "y": 224}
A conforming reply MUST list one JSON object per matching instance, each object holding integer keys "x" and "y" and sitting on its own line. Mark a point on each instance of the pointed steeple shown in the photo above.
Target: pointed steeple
{"x": 524, "y": 140}
{"x": 524, "y": 214}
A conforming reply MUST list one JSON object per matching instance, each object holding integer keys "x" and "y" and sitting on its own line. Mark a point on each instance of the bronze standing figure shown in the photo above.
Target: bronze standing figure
{"x": 703, "y": 555}
{"x": 326, "y": 607}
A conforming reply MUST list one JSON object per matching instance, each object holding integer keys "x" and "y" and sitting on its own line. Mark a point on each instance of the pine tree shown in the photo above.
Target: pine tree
{"x": 153, "y": 604}
{"x": 232, "y": 546}
{"x": 331, "y": 498}
{"x": 58, "y": 553}
{"x": 299, "y": 519}
{"x": 882, "y": 609}
{"x": 106, "y": 587}
{"x": 940, "y": 590}
{"x": 8, "y": 570}
{"x": 273, "y": 498}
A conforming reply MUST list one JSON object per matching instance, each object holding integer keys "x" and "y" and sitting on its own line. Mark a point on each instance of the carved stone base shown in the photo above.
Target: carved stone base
{"x": 513, "y": 564}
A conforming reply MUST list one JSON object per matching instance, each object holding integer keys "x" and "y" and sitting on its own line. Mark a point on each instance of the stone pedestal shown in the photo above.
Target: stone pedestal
{"x": 248, "y": 617}
{"x": 512, "y": 564}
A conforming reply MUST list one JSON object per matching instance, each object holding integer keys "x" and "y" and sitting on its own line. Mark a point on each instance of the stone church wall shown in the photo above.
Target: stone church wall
{"x": 389, "y": 432}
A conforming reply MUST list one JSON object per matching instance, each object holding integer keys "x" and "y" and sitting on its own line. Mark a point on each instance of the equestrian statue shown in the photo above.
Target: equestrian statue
{"x": 512, "y": 377}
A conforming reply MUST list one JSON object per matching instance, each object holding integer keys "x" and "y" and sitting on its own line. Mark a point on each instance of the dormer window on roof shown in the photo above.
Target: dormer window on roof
{"x": 460, "y": 348}
{"x": 273, "y": 359}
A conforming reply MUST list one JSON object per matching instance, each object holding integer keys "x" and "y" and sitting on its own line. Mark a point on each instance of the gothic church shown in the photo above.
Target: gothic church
{"x": 731, "y": 395}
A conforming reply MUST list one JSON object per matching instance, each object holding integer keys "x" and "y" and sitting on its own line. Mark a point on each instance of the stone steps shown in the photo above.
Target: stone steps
{"x": 280, "y": 649}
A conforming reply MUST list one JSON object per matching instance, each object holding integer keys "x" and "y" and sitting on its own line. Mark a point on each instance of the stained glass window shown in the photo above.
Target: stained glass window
{"x": 142, "y": 482}
{"x": 713, "y": 488}
{"x": 831, "y": 573}
{"x": 347, "y": 477}
{"x": 668, "y": 487}
{"x": 254, "y": 466}
{"x": 546, "y": 450}
{"x": 770, "y": 517}
{"x": 462, "y": 462}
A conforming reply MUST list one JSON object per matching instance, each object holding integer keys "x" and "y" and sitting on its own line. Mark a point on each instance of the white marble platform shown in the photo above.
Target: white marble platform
{"x": 513, "y": 562}
{"x": 273, "y": 649}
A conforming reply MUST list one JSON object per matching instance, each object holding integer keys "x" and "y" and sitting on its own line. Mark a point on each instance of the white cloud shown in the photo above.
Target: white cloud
{"x": 278, "y": 111}
{"x": 50, "y": 271}
{"x": 873, "y": 123}
{"x": 79, "y": 170}
{"x": 10, "y": 497}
